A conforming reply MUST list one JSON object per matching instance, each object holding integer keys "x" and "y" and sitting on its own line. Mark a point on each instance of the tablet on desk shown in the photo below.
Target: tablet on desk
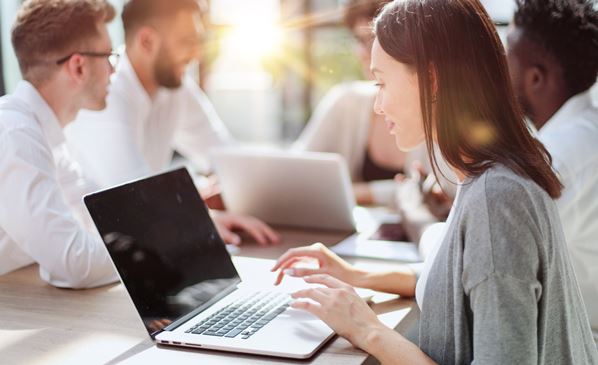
{"x": 388, "y": 242}
{"x": 389, "y": 232}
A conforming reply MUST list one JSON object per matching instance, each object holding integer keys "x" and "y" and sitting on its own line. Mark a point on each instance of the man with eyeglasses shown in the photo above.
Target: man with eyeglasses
{"x": 63, "y": 50}
{"x": 154, "y": 109}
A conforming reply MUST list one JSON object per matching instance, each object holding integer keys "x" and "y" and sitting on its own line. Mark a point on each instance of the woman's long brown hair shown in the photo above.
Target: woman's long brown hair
{"x": 473, "y": 114}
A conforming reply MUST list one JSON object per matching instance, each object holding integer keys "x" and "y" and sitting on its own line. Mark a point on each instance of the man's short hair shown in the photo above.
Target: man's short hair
{"x": 361, "y": 9}
{"x": 137, "y": 13}
{"x": 46, "y": 30}
{"x": 568, "y": 31}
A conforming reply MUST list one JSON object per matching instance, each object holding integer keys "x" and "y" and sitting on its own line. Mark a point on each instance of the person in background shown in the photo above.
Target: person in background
{"x": 552, "y": 50}
{"x": 499, "y": 287}
{"x": 344, "y": 123}
{"x": 63, "y": 51}
{"x": 153, "y": 108}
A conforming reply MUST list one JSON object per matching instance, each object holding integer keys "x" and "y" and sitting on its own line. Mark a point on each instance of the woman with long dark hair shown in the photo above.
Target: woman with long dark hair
{"x": 499, "y": 287}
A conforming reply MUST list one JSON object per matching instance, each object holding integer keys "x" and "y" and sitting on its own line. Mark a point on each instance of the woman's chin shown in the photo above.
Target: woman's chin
{"x": 405, "y": 145}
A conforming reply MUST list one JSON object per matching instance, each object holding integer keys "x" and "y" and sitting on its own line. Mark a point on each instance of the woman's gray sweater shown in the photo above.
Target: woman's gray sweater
{"x": 501, "y": 289}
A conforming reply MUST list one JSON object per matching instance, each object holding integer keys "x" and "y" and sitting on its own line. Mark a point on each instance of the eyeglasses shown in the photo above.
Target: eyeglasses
{"x": 112, "y": 57}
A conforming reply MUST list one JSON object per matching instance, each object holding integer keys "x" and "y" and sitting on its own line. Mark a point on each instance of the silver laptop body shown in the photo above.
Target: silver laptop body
{"x": 181, "y": 278}
{"x": 304, "y": 189}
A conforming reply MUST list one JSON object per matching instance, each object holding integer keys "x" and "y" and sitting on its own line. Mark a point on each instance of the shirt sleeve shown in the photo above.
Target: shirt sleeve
{"x": 505, "y": 315}
{"x": 501, "y": 262}
{"x": 320, "y": 133}
{"x": 39, "y": 220}
{"x": 200, "y": 128}
{"x": 104, "y": 145}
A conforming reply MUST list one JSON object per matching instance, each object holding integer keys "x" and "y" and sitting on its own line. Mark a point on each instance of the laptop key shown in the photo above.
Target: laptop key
{"x": 233, "y": 333}
{"x": 243, "y": 318}
{"x": 212, "y": 333}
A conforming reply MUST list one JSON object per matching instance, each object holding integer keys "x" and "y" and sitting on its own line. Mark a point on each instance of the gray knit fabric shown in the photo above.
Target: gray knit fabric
{"x": 502, "y": 289}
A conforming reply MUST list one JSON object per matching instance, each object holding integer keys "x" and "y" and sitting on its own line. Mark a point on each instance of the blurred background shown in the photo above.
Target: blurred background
{"x": 266, "y": 63}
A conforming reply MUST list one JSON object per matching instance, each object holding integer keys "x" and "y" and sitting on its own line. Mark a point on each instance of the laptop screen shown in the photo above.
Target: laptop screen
{"x": 164, "y": 246}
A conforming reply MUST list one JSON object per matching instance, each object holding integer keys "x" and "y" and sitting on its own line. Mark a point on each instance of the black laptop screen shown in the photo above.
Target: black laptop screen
{"x": 164, "y": 246}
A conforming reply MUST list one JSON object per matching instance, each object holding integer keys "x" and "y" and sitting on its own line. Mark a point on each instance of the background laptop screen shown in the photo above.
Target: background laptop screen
{"x": 164, "y": 245}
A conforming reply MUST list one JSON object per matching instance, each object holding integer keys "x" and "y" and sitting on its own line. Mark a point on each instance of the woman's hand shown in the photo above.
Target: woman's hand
{"x": 340, "y": 307}
{"x": 328, "y": 263}
{"x": 363, "y": 194}
{"x": 227, "y": 222}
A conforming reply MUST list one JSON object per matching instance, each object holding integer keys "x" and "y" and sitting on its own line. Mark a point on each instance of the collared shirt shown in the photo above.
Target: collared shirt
{"x": 571, "y": 137}
{"x": 41, "y": 188}
{"x": 137, "y": 134}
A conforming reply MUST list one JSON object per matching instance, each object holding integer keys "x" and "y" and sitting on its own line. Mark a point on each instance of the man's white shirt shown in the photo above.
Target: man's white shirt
{"x": 137, "y": 134}
{"x": 41, "y": 188}
{"x": 571, "y": 137}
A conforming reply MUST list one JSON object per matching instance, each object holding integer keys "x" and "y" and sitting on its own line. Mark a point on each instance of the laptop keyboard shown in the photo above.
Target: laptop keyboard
{"x": 244, "y": 317}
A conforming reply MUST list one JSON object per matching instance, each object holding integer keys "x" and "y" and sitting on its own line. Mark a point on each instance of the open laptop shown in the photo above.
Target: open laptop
{"x": 181, "y": 279}
{"x": 305, "y": 189}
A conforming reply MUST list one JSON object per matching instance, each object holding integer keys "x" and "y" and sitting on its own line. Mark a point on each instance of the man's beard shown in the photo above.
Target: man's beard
{"x": 164, "y": 72}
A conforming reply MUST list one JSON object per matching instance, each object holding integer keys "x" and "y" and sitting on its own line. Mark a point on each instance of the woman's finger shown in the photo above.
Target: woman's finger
{"x": 317, "y": 294}
{"x": 327, "y": 280}
{"x": 287, "y": 264}
{"x": 307, "y": 251}
{"x": 300, "y": 272}
{"x": 310, "y": 307}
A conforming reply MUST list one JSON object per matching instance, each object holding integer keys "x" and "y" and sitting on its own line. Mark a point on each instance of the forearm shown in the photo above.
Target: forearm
{"x": 389, "y": 347}
{"x": 363, "y": 194}
{"x": 401, "y": 281}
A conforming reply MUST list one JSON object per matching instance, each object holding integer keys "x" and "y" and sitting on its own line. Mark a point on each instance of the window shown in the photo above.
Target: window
{"x": 2, "y": 89}
{"x": 9, "y": 67}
